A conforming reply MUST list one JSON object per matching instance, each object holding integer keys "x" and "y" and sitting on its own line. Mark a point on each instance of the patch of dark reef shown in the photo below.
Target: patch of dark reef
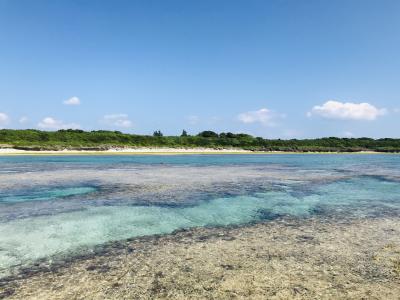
{"x": 267, "y": 215}
{"x": 383, "y": 178}
{"x": 46, "y": 193}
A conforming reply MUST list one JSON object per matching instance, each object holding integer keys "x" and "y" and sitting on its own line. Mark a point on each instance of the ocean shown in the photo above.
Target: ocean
{"x": 53, "y": 207}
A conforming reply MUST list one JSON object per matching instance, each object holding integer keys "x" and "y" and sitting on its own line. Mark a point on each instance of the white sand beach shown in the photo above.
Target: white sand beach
{"x": 161, "y": 151}
{"x": 144, "y": 150}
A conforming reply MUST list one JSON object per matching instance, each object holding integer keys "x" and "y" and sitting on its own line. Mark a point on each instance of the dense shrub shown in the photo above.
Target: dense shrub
{"x": 100, "y": 139}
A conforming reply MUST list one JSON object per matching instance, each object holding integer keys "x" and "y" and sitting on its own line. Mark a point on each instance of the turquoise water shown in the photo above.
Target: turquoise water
{"x": 44, "y": 194}
{"x": 53, "y": 206}
{"x": 304, "y": 160}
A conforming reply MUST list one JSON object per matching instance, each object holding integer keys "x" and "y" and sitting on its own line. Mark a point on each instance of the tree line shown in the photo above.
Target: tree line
{"x": 102, "y": 139}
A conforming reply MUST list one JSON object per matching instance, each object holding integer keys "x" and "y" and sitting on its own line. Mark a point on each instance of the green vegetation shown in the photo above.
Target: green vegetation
{"x": 100, "y": 139}
{"x": 184, "y": 133}
{"x": 157, "y": 133}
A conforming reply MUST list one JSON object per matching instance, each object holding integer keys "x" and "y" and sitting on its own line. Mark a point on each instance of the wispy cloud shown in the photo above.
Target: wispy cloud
{"x": 348, "y": 134}
{"x": 193, "y": 120}
{"x": 54, "y": 124}
{"x": 117, "y": 120}
{"x": 4, "y": 119}
{"x": 23, "y": 120}
{"x": 264, "y": 116}
{"x": 72, "y": 101}
{"x": 347, "y": 111}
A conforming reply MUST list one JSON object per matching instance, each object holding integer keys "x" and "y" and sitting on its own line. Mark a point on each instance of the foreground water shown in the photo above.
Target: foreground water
{"x": 56, "y": 206}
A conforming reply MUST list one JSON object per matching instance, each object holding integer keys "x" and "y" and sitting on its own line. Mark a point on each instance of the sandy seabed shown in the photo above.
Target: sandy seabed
{"x": 281, "y": 259}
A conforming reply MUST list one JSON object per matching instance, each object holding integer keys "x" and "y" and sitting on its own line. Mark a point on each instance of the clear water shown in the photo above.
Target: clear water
{"x": 53, "y": 206}
{"x": 44, "y": 194}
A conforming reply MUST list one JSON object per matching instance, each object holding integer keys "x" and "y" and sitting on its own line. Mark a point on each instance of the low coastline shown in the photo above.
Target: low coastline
{"x": 165, "y": 151}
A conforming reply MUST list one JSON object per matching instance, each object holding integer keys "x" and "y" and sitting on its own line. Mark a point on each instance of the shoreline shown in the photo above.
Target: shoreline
{"x": 163, "y": 151}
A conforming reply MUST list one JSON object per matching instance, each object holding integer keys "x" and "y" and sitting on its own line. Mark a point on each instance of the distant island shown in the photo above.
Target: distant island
{"x": 100, "y": 140}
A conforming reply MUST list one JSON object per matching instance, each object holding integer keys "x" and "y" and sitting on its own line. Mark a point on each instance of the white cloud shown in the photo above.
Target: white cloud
{"x": 347, "y": 111}
{"x": 4, "y": 119}
{"x": 72, "y": 101}
{"x": 396, "y": 110}
{"x": 264, "y": 116}
{"x": 118, "y": 120}
{"x": 54, "y": 124}
{"x": 23, "y": 120}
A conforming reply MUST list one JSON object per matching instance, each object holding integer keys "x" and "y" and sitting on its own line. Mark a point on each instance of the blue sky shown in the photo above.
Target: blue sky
{"x": 288, "y": 69}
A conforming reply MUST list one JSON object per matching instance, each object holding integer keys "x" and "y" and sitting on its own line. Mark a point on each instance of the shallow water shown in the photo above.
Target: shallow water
{"x": 53, "y": 206}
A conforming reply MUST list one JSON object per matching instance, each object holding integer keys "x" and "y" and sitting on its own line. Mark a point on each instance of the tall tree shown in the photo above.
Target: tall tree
{"x": 157, "y": 133}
